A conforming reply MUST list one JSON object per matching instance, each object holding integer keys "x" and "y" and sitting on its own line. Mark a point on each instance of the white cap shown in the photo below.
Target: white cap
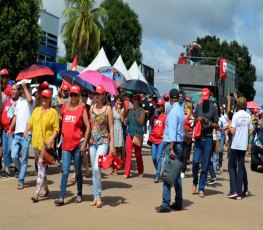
{"x": 34, "y": 90}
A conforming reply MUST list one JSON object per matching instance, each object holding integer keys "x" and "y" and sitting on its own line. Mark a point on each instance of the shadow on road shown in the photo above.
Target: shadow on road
{"x": 115, "y": 184}
{"x": 114, "y": 201}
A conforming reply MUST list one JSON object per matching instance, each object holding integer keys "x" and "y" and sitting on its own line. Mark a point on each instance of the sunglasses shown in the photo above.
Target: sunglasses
{"x": 73, "y": 95}
{"x": 84, "y": 95}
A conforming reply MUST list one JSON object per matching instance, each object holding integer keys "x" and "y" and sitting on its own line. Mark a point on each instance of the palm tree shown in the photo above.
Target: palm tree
{"x": 82, "y": 27}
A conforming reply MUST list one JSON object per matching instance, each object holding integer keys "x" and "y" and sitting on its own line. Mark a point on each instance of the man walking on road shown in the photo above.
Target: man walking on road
{"x": 174, "y": 136}
{"x": 23, "y": 111}
{"x": 207, "y": 113}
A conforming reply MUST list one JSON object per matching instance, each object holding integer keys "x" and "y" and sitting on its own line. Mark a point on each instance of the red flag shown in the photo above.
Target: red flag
{"x": 74, "y": 64}
{"x": 222, "y": 69}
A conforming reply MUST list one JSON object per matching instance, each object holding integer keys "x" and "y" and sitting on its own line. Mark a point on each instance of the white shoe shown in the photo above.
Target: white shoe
{"x": 182, "y": 175}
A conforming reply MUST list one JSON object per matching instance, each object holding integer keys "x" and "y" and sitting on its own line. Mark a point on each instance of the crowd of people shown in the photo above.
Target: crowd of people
{"x": 82, "y": 126}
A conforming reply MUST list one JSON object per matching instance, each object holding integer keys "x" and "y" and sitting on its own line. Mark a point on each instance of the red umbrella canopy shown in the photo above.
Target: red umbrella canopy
{"x": 33, "y": 71}
{"x": 253, "y": 105}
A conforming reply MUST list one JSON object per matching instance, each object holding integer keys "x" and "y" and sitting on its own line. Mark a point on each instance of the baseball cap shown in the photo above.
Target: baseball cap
{"x": 75, "y": 89}
{"x": 166, "y": 96}
{"x": 65, "y": 87}
{"x": 205, "y": 93}
{"x": 43, "y": 85}
{"x": 4, "y": 72}
{"x": 188, "y": 99}
{"x": 174, "y": 94}
{"x": 34, "y": 90}
{"x": 46, "y": 93}
{"x": 160, "y": 102}
{"x": 100, "y": 89}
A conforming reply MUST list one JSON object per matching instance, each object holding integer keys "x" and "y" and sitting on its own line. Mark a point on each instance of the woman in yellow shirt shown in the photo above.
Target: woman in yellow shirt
{"x": 44, "y": 124}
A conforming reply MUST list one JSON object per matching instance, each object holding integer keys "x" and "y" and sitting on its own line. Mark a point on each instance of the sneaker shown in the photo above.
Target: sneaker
{"x": 232, "y": 195}
{"x": 174, "y": 206}
{"x": 239, "y": 197}
{"x": 201, "y": 194}
{"x": 6, "y": 174}
{"x": 182, "y": 175}
{"x": 58, "y": 163}
{"x": 212, "y": 182}
{"x": 245, "y": 193}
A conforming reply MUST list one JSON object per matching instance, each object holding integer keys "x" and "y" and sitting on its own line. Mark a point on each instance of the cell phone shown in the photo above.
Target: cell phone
{"x": 231, "y": 94}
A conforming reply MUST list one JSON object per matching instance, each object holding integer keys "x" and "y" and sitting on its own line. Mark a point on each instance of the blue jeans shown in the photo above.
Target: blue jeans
{"x": 236, "y": 166}
{"x": 178, "y": 149}
{"x": 95, "y": 151}
{"x": 157, "y": 152}
{"x": 222, "y": 142}
{"x": 202, "y": 154}
{"x": 21, "y": 145}
{"x": 66, "y": 159}
{"x": 7, "y": 142}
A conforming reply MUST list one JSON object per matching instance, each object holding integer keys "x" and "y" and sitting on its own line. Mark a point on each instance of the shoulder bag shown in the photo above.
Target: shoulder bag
{"x": 172, "y": 170}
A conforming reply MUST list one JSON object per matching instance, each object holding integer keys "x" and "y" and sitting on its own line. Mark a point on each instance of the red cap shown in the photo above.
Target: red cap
{"x": 160, "y": 102}
{"x": 75, "y": 89}
{"x": 43, "y": 85}
{"x": 166, "y": 96}
{"x": 137, "y": 97}
{"x": 188, "y": 99}
{"x": 205, "y": 93}
{"x": 4, "y": 72}
{"x": 65, "y": 87}
{"x": 100, "y": 89}
{"x": 46, "y": 93}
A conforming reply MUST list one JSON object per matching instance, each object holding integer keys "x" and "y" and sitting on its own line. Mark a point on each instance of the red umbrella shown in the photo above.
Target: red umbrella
{"x": 33, "y": 71}
{"x": 96, "y": 78}
{"x": 253, "y": 105}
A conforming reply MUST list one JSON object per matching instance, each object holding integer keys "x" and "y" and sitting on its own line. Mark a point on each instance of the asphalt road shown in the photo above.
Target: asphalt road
{"x": 130, "y": 204}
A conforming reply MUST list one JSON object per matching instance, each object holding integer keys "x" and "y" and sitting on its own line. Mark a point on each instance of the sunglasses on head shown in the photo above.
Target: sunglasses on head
{"x": 73, "y": 95}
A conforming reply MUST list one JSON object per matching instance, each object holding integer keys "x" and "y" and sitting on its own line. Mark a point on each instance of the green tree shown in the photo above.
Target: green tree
{"x": 81, "y": 31}
{"x": 239, "y": 54}
{"x": 122, "y": 32}
{"x": 20, "y": 34}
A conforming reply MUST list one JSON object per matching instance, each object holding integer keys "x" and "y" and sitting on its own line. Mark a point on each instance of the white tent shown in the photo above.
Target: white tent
{"x": 100, "y": 61}
{"x": 135, "y": 72}
{"x": 120, "y": 66}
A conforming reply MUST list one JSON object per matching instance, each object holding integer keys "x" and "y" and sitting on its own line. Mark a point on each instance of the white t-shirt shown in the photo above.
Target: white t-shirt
{"x": 23, "y": 112}
{"x": 242, "y": 123}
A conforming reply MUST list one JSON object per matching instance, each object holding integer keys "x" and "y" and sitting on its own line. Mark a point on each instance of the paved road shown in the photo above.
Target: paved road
{"x": 130, "y": 203}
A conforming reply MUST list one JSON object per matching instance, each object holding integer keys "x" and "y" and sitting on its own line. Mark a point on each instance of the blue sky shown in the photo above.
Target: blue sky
{"x": 169, "y": 24}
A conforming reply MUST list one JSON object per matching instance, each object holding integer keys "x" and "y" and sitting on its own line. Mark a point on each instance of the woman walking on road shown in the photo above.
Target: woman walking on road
{"x": 44, "y": 124}
{"x": 102, "y": 139}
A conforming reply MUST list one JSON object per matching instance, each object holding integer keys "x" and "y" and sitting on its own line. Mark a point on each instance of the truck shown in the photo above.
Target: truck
{"x": 191, "y": 77}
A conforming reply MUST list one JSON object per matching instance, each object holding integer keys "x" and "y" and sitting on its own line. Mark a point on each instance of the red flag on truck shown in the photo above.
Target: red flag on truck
{"x": 223, "y": 69}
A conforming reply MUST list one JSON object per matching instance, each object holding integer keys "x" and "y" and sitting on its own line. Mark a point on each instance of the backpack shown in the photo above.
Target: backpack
{"x": 197, "y": 133}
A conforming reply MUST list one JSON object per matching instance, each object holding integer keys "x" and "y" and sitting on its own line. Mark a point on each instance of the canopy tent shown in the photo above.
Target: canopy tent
{"x": 120, "y": 66}
{"x": 135, "y": 73}
{"x": 100, "y": 61}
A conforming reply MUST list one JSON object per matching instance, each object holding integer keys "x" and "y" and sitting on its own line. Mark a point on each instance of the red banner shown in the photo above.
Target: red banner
{"x": 223, "y": 69}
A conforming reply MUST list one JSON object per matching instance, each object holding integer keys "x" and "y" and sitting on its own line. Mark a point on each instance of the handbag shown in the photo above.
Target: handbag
{"x": 48, "y": 155}
{"x": 137, "y": 139}
{"x": 172, "y": 171}
{"x": 187, "y": 138}
{"x": 217, "y": 147}
{"x": 117, "y": 162}
{"x": 198, "y": 130}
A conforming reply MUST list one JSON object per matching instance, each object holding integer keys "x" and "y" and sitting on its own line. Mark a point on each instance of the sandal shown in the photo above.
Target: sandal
{"x": 99, "y": 203}
{"x": 34, "y": 199}
{"x": 78, "y": 199}
{"x": 44, "y": 194}
{"x": 93, "y": 203}
{"x": 58, "y": 202}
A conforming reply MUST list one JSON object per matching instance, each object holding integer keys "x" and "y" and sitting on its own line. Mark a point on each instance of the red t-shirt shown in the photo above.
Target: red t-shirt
{"x": 8, "y": 90}
{"x": 156, "y": 135}
{"x": 72, "y": 123}
{"x": 8, "y": 111}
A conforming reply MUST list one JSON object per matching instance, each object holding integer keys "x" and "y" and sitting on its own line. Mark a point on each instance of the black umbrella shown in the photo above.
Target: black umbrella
{"x": 138, "y": 86}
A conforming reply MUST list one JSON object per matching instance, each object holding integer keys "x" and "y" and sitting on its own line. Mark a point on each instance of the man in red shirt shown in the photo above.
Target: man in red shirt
{"x": 6, "y": 119}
